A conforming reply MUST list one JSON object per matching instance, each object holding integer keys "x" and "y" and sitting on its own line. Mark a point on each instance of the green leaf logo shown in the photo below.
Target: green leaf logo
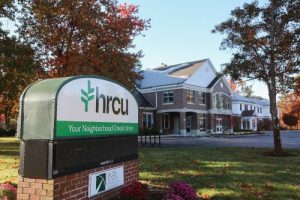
{"x": 87, "y": 95}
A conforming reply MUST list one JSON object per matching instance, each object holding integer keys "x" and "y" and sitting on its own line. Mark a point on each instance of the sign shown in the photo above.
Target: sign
{"x": 95, "y": 107}
{"x": 106, "y": 180}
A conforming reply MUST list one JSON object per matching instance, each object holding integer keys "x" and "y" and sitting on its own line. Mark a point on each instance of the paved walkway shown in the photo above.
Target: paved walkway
{"x": 290, "y": 139}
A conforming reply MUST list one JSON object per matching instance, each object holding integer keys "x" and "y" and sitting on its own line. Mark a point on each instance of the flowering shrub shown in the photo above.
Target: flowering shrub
{"x": 135, "y": 191}
{"x": 8, "y": 191}
{"x": 180, "y": 191}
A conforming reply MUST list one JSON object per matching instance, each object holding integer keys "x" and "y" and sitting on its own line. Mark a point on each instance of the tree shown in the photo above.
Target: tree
{"x": 17, "y": 69}
{"x": 241, "y": 88}
{"x": 266, "y": 46}
{"x": 290, "y": 120}
{"x": 297, "y": 88}
{"x": 75, "y": 37}
{"x": 17, "y": 66}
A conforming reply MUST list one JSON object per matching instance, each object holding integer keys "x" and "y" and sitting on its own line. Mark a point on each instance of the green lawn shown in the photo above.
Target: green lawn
{"x": 216, "y": 173}
{"x": 224, "y": 173}
{"x": 9, "y": 159}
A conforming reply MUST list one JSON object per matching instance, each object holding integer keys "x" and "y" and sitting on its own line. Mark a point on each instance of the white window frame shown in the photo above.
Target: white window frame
{"x": 202, "y": 122}
{"x": 167, "y": 95}
{"x": 202, "y": 98}
{"x": 190, "y": 95}
{"x": 163, "y": 121}
{"x": 147, "y": 114}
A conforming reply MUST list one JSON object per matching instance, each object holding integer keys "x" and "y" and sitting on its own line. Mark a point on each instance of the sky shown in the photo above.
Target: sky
{"x": 181, "y": 32}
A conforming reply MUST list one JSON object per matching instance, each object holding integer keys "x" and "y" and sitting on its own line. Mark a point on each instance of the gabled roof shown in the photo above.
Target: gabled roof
{"x": 262, "y": 102}
{"x": 170, "y": 75}
{"x": 248, "y": 113}
{"x": 141, "y": 100}
{"x": 213, "y": 82}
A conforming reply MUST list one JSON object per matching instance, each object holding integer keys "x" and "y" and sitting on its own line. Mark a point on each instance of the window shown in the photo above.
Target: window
{"x": 251, "y": 107}
{"x": 241, "y": 107}
{"x": 202, "y": 98}
{"x": 168, "y": 96}
{"x": 165, "y": 121}
{"x": 221, "y": 101}
{"x": 228, "y": 104}
{"x": 246, "y": 107}
{"x": 148, "y": 120}
{"x": 190, "y": 96}
{"x": 202, "y": 122}
{"x": 260, "y": 110}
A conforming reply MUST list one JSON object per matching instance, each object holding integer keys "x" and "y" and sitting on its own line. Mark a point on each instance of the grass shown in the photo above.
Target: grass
{"x": 216, "y": 173}
{"x": 9, "y": 159}
{"x": 224, "y": 173}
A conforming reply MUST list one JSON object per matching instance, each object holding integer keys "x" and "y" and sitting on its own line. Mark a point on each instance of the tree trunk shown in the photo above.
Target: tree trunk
{"x": 275, "y": 121}
{"x": 6, "y": 118}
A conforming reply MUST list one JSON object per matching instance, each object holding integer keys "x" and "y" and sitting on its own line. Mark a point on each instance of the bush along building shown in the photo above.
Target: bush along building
{"x": 186, "y": 99}
{"x": 250, "y": 113}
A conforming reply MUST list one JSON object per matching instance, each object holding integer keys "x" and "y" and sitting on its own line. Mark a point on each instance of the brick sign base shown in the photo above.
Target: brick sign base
{"x": 73, "y": 186}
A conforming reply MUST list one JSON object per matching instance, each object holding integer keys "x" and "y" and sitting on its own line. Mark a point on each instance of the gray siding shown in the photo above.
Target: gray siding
{"x": 218, "y": 88}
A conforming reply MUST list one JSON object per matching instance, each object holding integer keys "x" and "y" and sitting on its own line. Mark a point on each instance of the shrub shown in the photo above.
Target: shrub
{"x": 180, "y": 191}
{"x": 8, "y": 191}
{"x": 148, "y": 131}
{"x": 135, "y": 191}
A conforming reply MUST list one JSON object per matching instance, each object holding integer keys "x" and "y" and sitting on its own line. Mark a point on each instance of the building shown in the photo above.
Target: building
{"x": 250, "y": 113}
{"x": 187, "y": 98}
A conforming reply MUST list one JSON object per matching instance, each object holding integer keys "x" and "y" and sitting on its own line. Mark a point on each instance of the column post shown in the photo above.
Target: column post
{"x": 182, "y": 123}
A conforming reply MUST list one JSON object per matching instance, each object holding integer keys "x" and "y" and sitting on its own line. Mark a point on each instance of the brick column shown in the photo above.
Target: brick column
{"x": 72, "y": 186}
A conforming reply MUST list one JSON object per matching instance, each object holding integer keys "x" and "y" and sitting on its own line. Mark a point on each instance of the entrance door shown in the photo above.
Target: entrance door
{"x": 188, "y": 124}
{"x": 176, "y": 125}
{"x": 219, "y": 127}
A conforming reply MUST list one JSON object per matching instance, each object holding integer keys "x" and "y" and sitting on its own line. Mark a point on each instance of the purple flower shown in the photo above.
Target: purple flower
{"x": 181, "y": 189}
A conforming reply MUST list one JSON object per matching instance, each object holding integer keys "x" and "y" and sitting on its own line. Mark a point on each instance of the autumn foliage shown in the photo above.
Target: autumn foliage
{"x": 75, "y": 37}
{"x": 66, "y": 38}
{"x": 289, "y": 106}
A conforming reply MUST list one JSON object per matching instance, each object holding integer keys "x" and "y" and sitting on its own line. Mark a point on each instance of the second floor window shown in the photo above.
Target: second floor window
{"x": 168, "y": 96}
{"x": 220, "y": 101}
{"x": 190, "y": 96}
{"x": 202, "y": 98}
{"x": 241, "y": 107}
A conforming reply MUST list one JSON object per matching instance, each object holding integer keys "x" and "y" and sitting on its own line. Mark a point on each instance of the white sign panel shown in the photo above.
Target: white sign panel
{"x": 94, "y": 107}
{"x": 106, "y": 180}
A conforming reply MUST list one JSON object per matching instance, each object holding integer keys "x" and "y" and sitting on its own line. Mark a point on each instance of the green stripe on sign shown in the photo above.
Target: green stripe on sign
{"x": 86, "y": 129}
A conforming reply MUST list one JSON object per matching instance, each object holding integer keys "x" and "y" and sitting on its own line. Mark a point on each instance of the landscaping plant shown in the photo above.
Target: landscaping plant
{"x": 180, "y": 191}
{"x": 135, "y": 191}
{"x": 8, "y": 191}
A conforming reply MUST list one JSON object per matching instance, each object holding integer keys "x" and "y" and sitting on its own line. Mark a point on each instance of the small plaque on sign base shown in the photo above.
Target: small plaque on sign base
{"x": 103, "y": 181}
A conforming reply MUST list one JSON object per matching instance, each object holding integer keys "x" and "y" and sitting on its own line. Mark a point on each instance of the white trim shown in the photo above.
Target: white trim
{"x": 167, "y": 103}
{"x": 161, "y": 88}
{"x": 152, "y": 119}
{"x": 228, "y": 95}
{"x": 182, "y": 110}
{"x": 194, "y": 87}
{"x": 147, "y": 108}
{"x": 220, "y": 112}
{"x": 175, "y": 87}
{"x": 163, "y": 125}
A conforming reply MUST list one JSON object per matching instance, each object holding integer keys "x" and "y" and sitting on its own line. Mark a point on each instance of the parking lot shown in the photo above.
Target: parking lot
{"x": 290, "y": 139}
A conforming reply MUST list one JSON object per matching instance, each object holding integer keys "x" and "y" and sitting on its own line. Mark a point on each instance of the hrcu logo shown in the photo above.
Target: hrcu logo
{"x": 105, "y": 104}
{"x": 87, "y": 96}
